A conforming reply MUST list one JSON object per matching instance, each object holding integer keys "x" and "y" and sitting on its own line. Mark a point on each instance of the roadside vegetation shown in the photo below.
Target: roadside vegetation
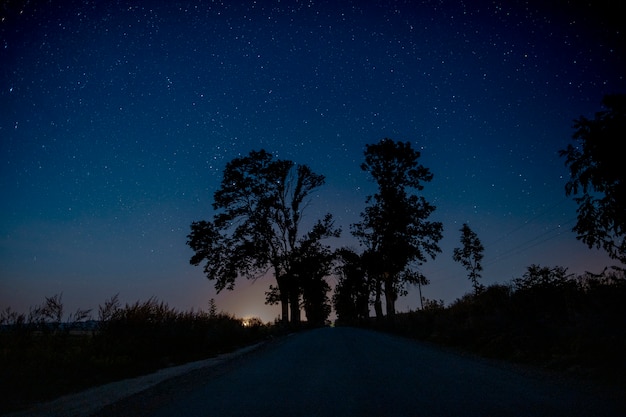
{"x": 547, "y": 318}
{"x": 45, "y": 354}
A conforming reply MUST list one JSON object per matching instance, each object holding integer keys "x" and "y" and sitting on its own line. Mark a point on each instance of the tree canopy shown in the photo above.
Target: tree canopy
{"x": 395, "y": 228}
{"x": 598, "y": 178}
{"x": 256, "y": 226}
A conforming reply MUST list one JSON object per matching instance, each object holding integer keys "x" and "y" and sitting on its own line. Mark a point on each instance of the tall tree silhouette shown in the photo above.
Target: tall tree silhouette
{"x": 394, "y": 225}
{"x": 352, "y": 292}
{"x": 598, "y": 178}
{"x": 470, "y": 256}
{"x": 258, "y": 211}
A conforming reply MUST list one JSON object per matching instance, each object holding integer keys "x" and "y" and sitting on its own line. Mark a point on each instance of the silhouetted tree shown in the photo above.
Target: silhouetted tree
{"x": 375, "y": 272}
{"x": 410, "y": 276}
{"x": 598, "y": 178}
{"x": 470, "y": 256}
{"x": 542, "y": 289}
{"x": 537, "y": 276}
{"x": 315, "y": 289}
{"x": 255, "y": 228}
{"x": 311, "y": 264}
{"x": 351, "y": 297}
{"x": 394, "y": 225}
{"x": 212, "y": 308}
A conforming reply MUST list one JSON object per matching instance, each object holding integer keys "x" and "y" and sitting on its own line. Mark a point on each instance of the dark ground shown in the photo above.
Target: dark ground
{"x": 354, "y": 372}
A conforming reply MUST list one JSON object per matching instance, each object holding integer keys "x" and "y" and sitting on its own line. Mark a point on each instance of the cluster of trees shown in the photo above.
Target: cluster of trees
{"x": 259, "y": 209}
{"x": 257, "y": 226}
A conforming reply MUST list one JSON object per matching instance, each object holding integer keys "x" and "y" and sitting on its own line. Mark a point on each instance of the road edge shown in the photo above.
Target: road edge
{"x": 91, "y": 400}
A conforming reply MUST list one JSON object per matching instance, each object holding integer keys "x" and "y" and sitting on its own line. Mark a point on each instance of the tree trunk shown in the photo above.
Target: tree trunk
{"x": 378, "y": 304}
{"x": 363, "y": 310}
{"x": 419, "y": 286}
{"x": 284, "y": 310}
{"x": 294, "y": 301}
{"x": 284, "y": 299}
{"x": 390, "y": 295}
{"x": 391, "y": 304}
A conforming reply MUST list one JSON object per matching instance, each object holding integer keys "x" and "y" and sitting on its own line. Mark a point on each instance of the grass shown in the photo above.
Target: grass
{"x": 43, "y": 355}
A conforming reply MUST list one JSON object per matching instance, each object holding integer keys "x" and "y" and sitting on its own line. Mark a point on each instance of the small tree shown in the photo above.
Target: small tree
{"x": 470, "y": 256}
{"x": 542, "y": 277}
{"x": 311, "y": 264}
{"x": 212, "y": 308}
{"x": 598, "y": 178}
{"x": 351, "y": 297}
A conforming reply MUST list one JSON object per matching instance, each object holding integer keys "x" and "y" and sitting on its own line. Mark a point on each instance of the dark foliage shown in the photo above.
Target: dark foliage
{"x": 352, "y": 292}
{"x": 43, "y": 357}
{"x": 256, "y": 228}
{"x": 394, "y": 228}
{"x": 545, "y": 318}
{"x": 470, "y": 256}
{"x": 598, "y": 178}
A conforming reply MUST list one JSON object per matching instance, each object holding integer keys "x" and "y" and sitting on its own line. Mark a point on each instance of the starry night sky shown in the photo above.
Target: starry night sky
{"x": 118, "y": 117}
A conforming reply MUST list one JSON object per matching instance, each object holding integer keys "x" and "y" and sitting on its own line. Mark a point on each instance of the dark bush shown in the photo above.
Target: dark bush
{"x": 547, "y": 318}
{"x": 42, "y": 357}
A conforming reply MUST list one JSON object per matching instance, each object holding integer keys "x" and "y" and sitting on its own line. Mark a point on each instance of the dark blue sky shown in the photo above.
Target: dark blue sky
{"x": 117, "y": 119}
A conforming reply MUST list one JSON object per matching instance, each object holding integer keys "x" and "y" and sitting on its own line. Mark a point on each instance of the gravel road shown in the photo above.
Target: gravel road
{"x": 354, "y": 372}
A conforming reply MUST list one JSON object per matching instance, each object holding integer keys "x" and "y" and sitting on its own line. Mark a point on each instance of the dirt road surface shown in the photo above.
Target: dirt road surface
{"x": 354, "y": 372}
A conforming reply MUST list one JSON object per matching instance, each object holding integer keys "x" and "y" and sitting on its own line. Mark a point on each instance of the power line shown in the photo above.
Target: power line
{"x": 522, "y": 247}
{"x": 531, "y": 243}
{"x": 526, "y": 222}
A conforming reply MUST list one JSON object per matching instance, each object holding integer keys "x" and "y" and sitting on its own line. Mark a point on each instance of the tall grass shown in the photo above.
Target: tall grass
{"x": 44, "y": 354}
